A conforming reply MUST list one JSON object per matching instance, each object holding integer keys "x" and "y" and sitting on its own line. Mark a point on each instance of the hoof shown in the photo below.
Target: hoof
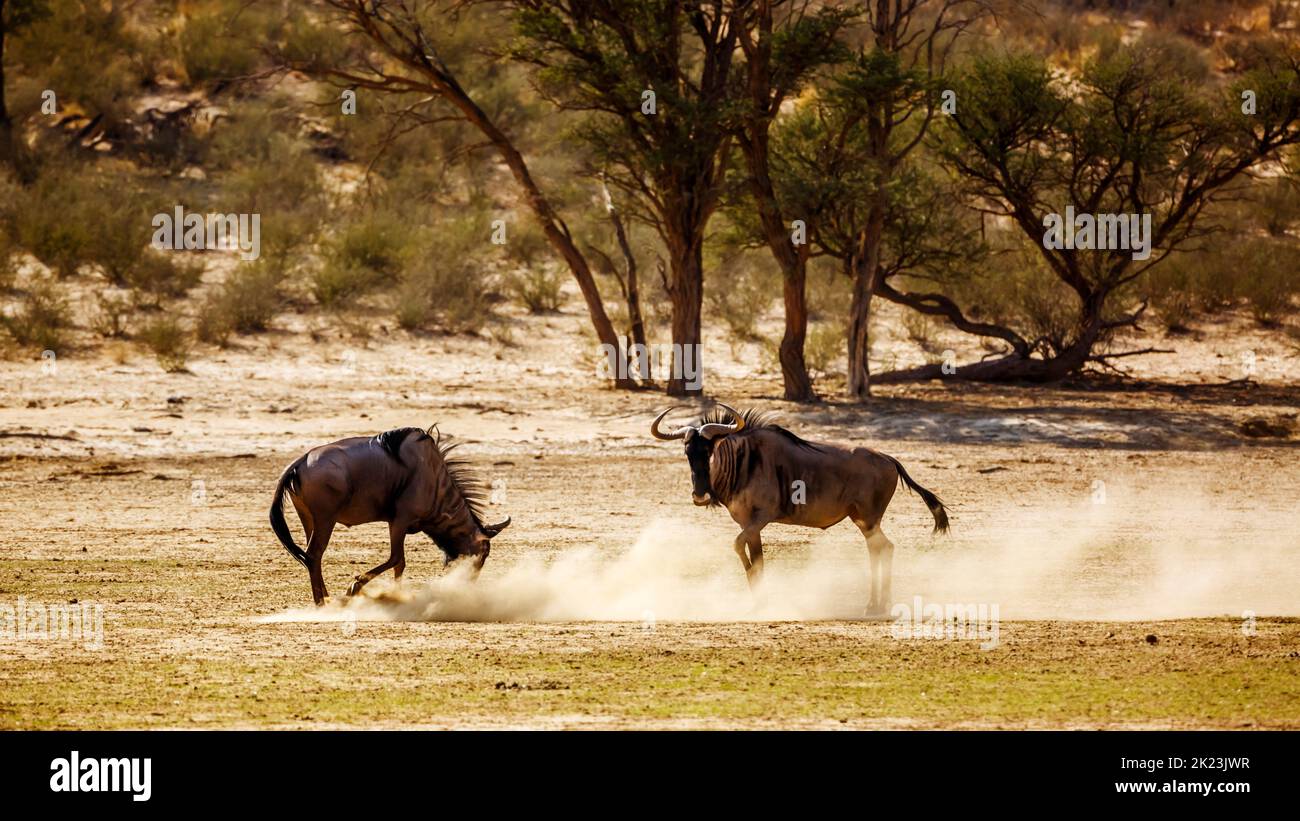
{"x": 356, "y": 587}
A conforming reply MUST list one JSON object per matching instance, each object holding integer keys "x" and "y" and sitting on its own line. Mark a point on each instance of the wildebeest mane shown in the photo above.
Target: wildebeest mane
{"x": 756, "y": 419}
{"x": 471, "y": 486}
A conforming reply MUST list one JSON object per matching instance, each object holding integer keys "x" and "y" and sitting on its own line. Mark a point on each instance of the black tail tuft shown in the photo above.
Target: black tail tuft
{"x": 934, "y": 503}
{"x": 287, "y": 481}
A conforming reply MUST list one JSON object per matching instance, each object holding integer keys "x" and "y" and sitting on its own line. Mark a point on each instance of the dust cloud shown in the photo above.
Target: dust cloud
{"x": 1141, "y": 555}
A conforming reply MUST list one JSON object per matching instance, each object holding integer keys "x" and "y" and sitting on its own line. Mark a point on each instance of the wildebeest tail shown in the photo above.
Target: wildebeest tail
{"x": 288, "y": 481}
{"x": 937, "y": 510}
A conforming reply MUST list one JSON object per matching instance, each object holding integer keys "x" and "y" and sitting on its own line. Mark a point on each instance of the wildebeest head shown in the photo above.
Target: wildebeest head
{"x": 466, "y": 538}
{"x": 699, "y": 442}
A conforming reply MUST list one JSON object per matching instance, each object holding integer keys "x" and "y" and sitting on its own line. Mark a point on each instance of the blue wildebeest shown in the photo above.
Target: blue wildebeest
{"x": 763, "y": 473}
{"x": 404, "y": 477}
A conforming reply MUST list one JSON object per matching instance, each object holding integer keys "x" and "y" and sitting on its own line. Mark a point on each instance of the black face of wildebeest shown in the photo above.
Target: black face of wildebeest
{"x": 698, "y": 451}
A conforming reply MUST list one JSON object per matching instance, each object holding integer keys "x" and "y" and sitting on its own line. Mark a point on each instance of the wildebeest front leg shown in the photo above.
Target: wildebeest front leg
{"x": 396, "y": 557}
{"x": 752, "y": 560}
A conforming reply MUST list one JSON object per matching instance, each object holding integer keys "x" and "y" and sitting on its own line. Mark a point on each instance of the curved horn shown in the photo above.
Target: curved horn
{"x": 714, "y": 429}
{"x": 677, "y": 434}
{"x": 493, "y": 530}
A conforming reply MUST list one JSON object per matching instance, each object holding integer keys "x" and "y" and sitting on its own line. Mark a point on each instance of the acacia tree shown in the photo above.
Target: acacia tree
{"x": 657, "y": 81}
{"x": 783, "y": 43}
{"x": 396, "y": 53}
{"x": 1127, "y": 136}
{"x": 889, "y": 102}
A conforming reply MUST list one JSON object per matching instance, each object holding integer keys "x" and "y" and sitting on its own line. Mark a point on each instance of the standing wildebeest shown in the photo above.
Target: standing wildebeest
{"x": 403, "y": 477}
{"x": 763, "y": 473}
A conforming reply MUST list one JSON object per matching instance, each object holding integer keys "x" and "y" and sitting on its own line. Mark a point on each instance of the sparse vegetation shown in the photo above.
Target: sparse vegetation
{"x": 388, "y": 210}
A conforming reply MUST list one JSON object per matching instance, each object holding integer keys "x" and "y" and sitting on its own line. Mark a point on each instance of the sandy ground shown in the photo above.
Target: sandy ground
{"x": 1139, "y": 546}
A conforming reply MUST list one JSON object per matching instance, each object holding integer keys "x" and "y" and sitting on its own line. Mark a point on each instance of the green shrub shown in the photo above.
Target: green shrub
{"x": 111, "y": 314}
{"x": 539, "y": 288}
{"x": 217, "y": 45}
{"x": 824, "y": 344}
{"x": 49, "y": 224}
{"x": 163, "y": 274}
{"x": 1018, "y": 291}
{"x": 740, "y": 292}
{"x": 364, "y": 255}
{"x": 169, "y": 342}
{"x": 245, "y": 303}
{"x": 93, "y": 53}
{"x": 1268, "y": 279}
{"x": 73, "y": 220}
{"x": 1260, "y": 271}
{"x": 267, "y": 169}
{"x": 445, "y": 286}
{"x": 42, "y": 318}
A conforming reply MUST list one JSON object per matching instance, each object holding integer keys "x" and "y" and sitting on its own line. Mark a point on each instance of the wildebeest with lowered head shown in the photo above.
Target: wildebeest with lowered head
{"x": 404, "y": 477}
{"x": 749, "y": 465}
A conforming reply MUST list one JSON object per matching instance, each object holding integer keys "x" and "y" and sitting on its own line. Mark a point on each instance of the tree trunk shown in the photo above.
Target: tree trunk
{"x": 686, "y": 290}
{"x": 864, "y": 264}
{"x": 792, "y": 259}
{"x": 794, "y": 372}
{"x": 634, "y": 318}
{"x": 1014, "y": 367}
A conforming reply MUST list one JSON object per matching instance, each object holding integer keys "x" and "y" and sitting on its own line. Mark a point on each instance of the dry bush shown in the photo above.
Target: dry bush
{"x": 921, "y": 329}
{"x": 8, "y": 261}
{"x": 1268, "y": 279}
{"x": 539, "y": 289}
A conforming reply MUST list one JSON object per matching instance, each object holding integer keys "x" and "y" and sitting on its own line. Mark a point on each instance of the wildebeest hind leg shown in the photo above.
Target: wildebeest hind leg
{"x": 881, "y": 556}
{"x": 316, "y": 544}
{"x": 739, "y": 546}
{"x": 396, "y": 558}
